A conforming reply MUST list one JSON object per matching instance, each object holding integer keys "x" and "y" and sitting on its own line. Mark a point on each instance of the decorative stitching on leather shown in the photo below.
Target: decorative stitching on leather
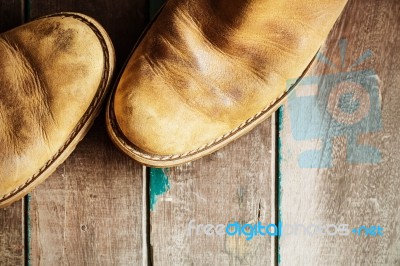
{"x": 202, "y": 148}
{"x": 131, "y": 147}
{"x": 101, "y": 92}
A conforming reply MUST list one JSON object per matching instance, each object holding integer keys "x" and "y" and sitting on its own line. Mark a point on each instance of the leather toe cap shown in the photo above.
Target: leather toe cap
{"x": 51, "y": 69}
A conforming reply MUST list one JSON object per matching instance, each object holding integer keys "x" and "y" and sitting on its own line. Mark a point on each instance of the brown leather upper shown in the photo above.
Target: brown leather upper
{"x": 50, "y": 70}
{"x": 205, "y": 66}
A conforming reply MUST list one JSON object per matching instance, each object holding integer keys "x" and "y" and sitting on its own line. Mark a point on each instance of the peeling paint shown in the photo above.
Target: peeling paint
{"x": 159, "y": 185}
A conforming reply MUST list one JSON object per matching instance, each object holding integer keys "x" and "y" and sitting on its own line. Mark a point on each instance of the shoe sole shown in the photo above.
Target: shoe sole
{"x": 86, "y": 121}
{"x": 159, "y": 161}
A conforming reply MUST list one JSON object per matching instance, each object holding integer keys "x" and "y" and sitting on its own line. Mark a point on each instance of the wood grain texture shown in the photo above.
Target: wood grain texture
{"x": 90, "y": 212}
{"x": 12, "y": 235}
{"x": 12, "y": 218}
{"x": 355, "y": 181}
{"x": 233, "y": 184}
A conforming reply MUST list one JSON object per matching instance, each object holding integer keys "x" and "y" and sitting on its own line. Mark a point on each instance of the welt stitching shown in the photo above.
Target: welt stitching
{"x": 129, "y": 146}
{"x": 101, "y": 91}
{"x": 126, "y": 144}
{"x": 204, "y": 147}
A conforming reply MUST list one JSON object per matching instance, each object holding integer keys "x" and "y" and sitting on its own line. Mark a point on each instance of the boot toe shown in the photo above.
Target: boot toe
{"x": 54, "y": 72}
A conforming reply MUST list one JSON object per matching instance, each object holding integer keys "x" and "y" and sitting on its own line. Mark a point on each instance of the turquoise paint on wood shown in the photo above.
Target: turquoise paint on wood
{"x": 159, "y": 185}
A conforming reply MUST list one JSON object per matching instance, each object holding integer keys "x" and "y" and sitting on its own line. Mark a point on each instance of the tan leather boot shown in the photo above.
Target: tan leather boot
{"x": 54, "y": 72}
{"x": 206, "y": 72}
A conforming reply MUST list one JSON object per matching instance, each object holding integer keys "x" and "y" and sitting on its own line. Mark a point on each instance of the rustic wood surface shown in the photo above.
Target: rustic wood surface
{"x": 101, "y": 208}
{"x": 360, "y": 187}
{"x": 12, "y": 241}
{"x": 231, "y": 185}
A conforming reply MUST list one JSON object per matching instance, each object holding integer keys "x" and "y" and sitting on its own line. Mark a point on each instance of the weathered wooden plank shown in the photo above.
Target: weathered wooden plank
{"x": 231, "y": 185}
{"x": 340, "y": 145}
{"x": 90, "y": 212}
{"x": 12, "y": 218}
{"x": 12, "y": 235}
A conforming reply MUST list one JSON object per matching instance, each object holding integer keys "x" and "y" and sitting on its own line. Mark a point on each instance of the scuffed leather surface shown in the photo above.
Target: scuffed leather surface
{"x": 50, "y": 69}
{"x": 206, "y": 66}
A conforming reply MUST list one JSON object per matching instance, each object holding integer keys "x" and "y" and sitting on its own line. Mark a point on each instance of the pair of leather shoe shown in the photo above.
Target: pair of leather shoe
{"x": 205, "y": 73}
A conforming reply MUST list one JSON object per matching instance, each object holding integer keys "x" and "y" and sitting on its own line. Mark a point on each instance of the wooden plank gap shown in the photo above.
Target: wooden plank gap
{"x": 275, "y": 186}
{"x": 147, "y": 256}
{"x": 27, "y": 230}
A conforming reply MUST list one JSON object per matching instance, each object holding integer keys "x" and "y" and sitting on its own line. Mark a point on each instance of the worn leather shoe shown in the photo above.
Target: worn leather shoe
{"x": 54, "y": 72}
{"x": 206, "y": 72}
